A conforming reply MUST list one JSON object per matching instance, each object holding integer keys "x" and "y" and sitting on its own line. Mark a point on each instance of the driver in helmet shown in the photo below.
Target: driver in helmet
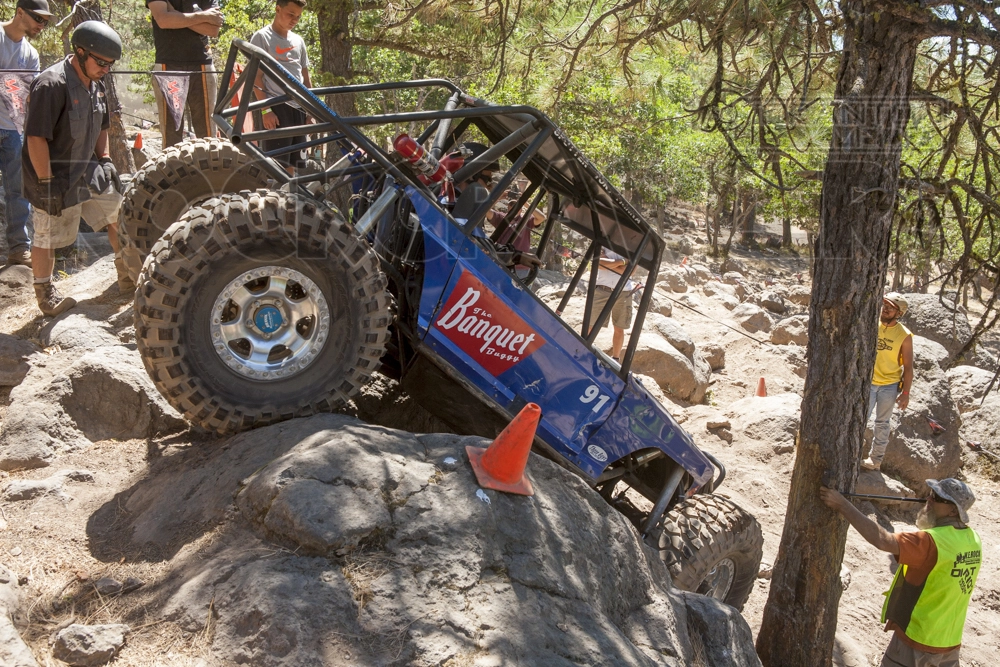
{"x": 474, "y": 192}
{"x": 476, "y": 189}
{"x": 68, "y": 173}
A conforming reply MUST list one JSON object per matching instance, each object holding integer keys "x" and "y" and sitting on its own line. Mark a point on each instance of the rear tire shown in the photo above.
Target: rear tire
{"x": 259, "y": 308}
{"x": 713, "y": 547}
{"x": 183, "y": 176}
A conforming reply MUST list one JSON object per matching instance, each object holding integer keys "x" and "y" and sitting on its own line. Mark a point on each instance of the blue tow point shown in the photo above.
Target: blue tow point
{"x": 268, "y": 319}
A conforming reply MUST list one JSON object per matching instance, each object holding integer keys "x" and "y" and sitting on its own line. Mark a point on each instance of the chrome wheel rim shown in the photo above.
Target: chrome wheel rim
{"x": 718, "y": 582}
{"x": 270, "y": 323}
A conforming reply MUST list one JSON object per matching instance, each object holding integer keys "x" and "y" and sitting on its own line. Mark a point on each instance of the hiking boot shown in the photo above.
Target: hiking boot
{"x": 19, "y": 256}
{"x": 50, "y": 302}
{"x": 125, "y": 283}
{"x": 868, "y": 464}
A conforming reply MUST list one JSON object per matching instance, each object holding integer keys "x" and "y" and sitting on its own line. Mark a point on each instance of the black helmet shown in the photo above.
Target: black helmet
{"x": 99, "y": 38}
{"x": 470, "y": 150}
{"x": 473, "y": 149}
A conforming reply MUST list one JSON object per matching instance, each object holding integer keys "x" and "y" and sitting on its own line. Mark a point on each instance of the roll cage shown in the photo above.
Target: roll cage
{"x": 580, "y": 198}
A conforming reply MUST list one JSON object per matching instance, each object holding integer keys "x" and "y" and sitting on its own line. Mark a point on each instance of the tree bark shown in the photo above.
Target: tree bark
{"x": 871, "y": 112}
{"x": 335, "y": 46}
{"x": 749, "y": 214}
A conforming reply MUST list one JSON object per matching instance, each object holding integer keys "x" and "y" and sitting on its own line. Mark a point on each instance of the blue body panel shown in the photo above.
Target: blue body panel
{"x": 589, "y": 415}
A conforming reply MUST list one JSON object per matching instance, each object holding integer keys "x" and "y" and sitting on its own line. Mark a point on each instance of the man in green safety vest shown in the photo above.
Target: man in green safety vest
{"x": 938, "y": 565}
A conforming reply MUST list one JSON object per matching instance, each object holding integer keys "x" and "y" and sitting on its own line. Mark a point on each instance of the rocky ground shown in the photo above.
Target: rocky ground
{"x": 274, "y": 548}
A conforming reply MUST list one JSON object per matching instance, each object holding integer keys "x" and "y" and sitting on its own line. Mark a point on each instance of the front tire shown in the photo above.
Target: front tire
{"x": 712, "y": 547}
{"x": 260, "y": 307}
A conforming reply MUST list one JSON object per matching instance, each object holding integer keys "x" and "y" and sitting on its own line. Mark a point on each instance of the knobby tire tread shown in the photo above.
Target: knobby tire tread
{"x": 699, "y": 532}
{"x": 215, "y": 230}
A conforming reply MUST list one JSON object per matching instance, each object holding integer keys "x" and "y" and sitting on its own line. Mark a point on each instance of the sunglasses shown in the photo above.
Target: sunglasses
{"x": 38, "y": 19}
{"x": 98, "y": 61}
{"x": 938, "y": 499}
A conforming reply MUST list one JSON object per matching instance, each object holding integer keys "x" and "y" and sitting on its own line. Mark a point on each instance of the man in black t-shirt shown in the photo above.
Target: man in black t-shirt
{"x": 67, "y": 171}
{"x": 181, "y": 29}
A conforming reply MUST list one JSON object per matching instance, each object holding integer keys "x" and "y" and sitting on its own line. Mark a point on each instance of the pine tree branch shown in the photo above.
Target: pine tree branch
{"x": 397, "y": 46}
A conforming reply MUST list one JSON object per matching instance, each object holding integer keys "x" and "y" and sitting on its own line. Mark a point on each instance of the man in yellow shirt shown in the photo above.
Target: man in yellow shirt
{"x": 892, "y": 376}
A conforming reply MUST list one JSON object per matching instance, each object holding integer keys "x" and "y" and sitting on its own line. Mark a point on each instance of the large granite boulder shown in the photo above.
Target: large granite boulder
{"x": 800, "y": 295}
{"x": 14, "y": 354}
{"x": 794, "y": 329}
{"x": 773, "y": 419}
{"x": 916, "y": 451}
{"x": 671, "y": 329}
{"x": 368, "y": 531}
{"x": 685, "y": 378}
{"x": 751, "y": 317}
{"x": 968, "y": 386}
{"x": 773, "y": 301}
{"x": 938, "y": 318}
{"x": 94, "y": 389}
{"x": 13, "y": 651}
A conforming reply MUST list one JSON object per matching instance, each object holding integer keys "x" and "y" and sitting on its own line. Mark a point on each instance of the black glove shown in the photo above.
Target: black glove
{"x": 111, "y": 172}
{"x": 52, "y": 192}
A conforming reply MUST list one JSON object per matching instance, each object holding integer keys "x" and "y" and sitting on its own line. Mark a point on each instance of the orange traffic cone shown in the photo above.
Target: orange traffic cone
{"x": 138, "y": 142}
{"x": 761, "y": 388}
{"x": 501, "y": 466}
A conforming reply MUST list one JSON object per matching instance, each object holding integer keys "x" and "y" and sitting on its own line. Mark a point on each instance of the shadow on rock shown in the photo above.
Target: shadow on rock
{"x": 351, "y": 544}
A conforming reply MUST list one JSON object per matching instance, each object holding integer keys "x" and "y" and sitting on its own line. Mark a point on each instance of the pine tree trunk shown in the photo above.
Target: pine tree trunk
{"x": 859, "y": 187}
{"x": 118, "y": 146}
{"x": 335, "y": 45}
{"x": 749, "y": 207}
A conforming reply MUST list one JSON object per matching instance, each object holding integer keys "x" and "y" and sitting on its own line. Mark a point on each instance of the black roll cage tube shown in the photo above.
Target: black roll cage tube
{"x": 538, "y": 128}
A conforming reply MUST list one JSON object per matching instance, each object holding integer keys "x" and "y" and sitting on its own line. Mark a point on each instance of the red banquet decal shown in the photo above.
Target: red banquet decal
{"x": 482, "y": 326}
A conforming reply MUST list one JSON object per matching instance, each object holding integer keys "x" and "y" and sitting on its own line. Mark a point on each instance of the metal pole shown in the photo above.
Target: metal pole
{"x": 867, "y": 496}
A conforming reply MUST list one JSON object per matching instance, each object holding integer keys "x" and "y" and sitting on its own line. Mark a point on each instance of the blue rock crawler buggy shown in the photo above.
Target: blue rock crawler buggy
{"x": 260, "y": 302}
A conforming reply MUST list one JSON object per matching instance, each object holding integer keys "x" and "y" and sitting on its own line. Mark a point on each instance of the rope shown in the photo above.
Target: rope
{"x": 707, "y": 317}
{"x": 132, "y": 115}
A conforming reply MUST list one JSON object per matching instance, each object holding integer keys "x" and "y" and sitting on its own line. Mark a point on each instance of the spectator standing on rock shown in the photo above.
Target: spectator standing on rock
{"x": 608, "y": 275}
{"x": 68, "y": 173}
{"x": 892, "y": 376}
{"x": 181, "y": 29}
{"x": 938, "y": 565}
{"x": 288, "y": 49}
{"x": 30, "y": 18}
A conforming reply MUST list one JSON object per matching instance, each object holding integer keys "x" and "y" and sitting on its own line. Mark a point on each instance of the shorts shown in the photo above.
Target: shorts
{"x": 901, "y": 654}
{"x": 59, "y": 231}
{"x": 621, "y": 312}
{"x": 287, "y": 117}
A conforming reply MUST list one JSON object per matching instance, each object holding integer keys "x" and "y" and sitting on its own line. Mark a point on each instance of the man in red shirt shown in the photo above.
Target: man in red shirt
{"x": 938, "y": 565}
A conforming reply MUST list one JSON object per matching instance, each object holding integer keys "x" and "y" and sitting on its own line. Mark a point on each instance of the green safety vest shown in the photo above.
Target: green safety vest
{"x": 934, "y": 614}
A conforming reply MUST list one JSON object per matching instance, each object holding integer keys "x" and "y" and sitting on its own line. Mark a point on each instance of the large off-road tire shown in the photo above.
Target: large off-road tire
{"x": 260, "y": 307}
{"x": 712, "y": 547}
{"x": 183, "y": 176}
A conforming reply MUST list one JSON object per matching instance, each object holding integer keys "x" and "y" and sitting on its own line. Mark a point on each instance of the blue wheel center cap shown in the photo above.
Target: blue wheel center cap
{"x": 268, "y": 319}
